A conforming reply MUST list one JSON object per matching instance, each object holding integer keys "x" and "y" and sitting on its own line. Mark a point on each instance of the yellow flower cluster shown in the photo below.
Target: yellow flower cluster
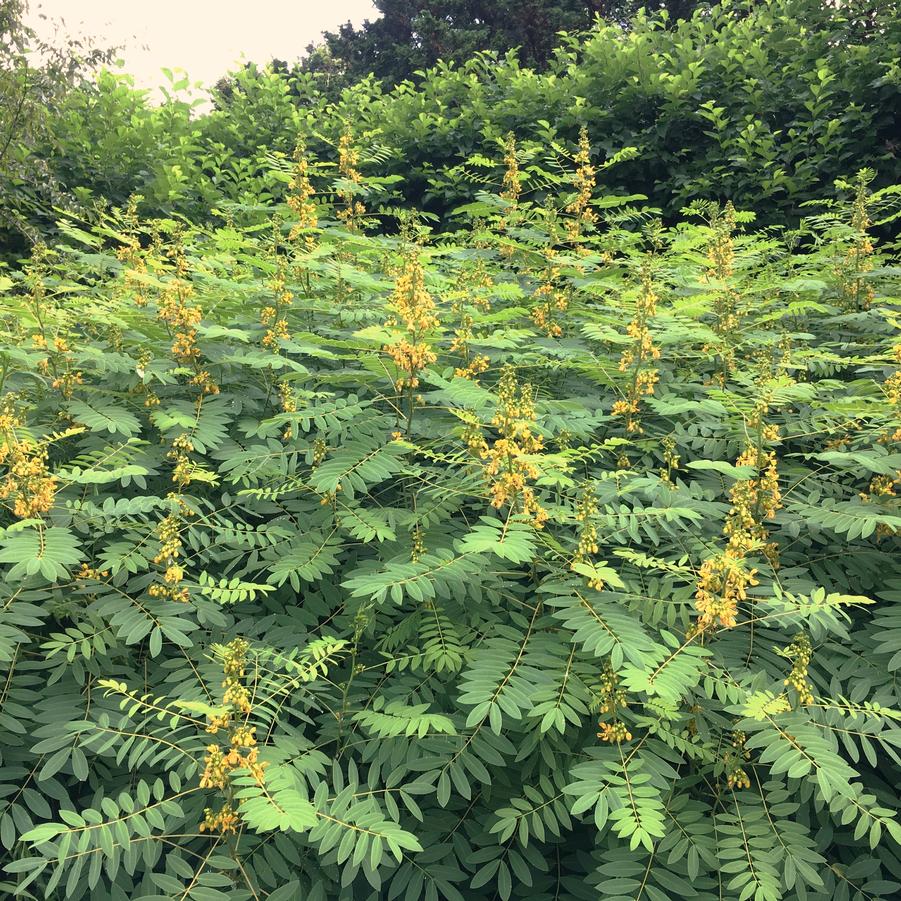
{"x": 508, "y": 469}
{"x": 476, "y": 366}
{"x": 670, "y": 459}
{"x": 882, "y": 486}
{"x": 58, "y": 364}
{"x": 181, "y": 447}
{"x": 204, "y": 381}
{"x": 723, "y": 580}
{"x": 754, "y": 500}
{"x": 320, "y": 449}
{"x": 885, "y": 485}
{"x": 35, "y": 274}
{"x": 169, "y": 534}
{"x": 615, "y": 732}
{"x": 612, "y": 699}
{"x": 413, "y": 308}
{"x": 721, "y": 249}
{"x": 131, "y": 256}
{"x": 215, "y": 770}
{"x": 242, "y": 751}
{"x": 236, "y": 694}
{"x": 512, "y": 184}
{"x": 417, "y": 547}
{"x": 178, "y": 314}
{"x": 410, "y": 358}
{"x": 721, "y": 258}
{"x": 219, "y": 762}
{"x": 582, "y": 216}
{"x": 348, "y": 159}
{"x": 10, "y": 419}
{"x": 272, "y": 317}
{"x": 736, "y": 777}
{"x": 551, "y": 300}
{"x": 223, "y": 821}
{"x": 27, "y": 482}
{"x": 472, "y": 288}
{"x": 892, "y": 388}
{"x": 800, "y": 652}
{"x": 639, "y": 355}
{"x": 234, "y": 658}
{"x": 151, "y": 398}
{"x": 588, "y": 532}
{"x": 234, "y": 668}
{"x": 276, "y": 328}
{"x": 300, "y": 198}
{"x": 90, "y": 573}
{"x": 288, "y": 402}
{"x": 610, "y": 696}
{"x": 855, "y": 292}
{"x": 411, "y": 302}
{"x": 511, "y": 188}
{"x": 893, "y": 385}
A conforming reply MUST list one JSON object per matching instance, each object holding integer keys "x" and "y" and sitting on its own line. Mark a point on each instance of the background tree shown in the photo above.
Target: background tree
{"x": 414, "y": 34}
{"x": 35, "y": 76}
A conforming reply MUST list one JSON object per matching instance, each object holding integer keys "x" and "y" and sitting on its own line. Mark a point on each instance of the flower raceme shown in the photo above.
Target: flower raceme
{"x": 723, "y": 583}
{"x": 272, "y": 315}
{"x": 28, "y": 483}
{"x": 551, "y": 299}
{"x": 639, "y": 357}
{"x": 507, "y": 467}
{"x": 512, "y": 182}
{"x": 410, "y": 301}
{"x": 736, "y": 775}
{"x": 300, "y": 199}
{"x": 724, "y": 579}
{"x": 57, "y": 366}
{"x": 754, "y": 501}
{"x": 721, "y": 267}
{"x": 799, "y": 653}
{"x": 611, "y": 700}
{"x": 169, "y": 557}
{"x": 352, "y": 210}
{"x": 579, "y": 209}
{"x": 179, "y": 315}
{"x": 588, "y": 533}
{"x": 511, "y": 188}
{"x": 470, "y": 295}
{"x": 131, "y": 255}
{"x": 855, "y": 291}
{"x": 413, "y": 309}
{"x": 241, "y": 751}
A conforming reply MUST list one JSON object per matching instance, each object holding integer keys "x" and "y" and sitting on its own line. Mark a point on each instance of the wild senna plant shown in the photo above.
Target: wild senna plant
{"x": 549, "y": 555}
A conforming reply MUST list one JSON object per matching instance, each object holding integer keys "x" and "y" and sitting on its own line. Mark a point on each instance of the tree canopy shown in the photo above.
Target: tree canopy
{"x": 412, "y": 36}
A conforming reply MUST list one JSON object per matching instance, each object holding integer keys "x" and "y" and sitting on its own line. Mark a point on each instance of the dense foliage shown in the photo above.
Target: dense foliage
{"x": 765, "y": 104}
{"x": 551, "y": 555}
{"x": 30, "y": 97}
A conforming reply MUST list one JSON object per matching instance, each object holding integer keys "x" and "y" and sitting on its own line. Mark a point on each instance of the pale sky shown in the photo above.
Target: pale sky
{"x": 206, "y": 38}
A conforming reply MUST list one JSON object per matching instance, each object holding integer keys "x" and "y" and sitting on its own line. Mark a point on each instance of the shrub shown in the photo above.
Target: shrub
{"x": 763, "y": 104}
{"x": 550, "y": 556}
